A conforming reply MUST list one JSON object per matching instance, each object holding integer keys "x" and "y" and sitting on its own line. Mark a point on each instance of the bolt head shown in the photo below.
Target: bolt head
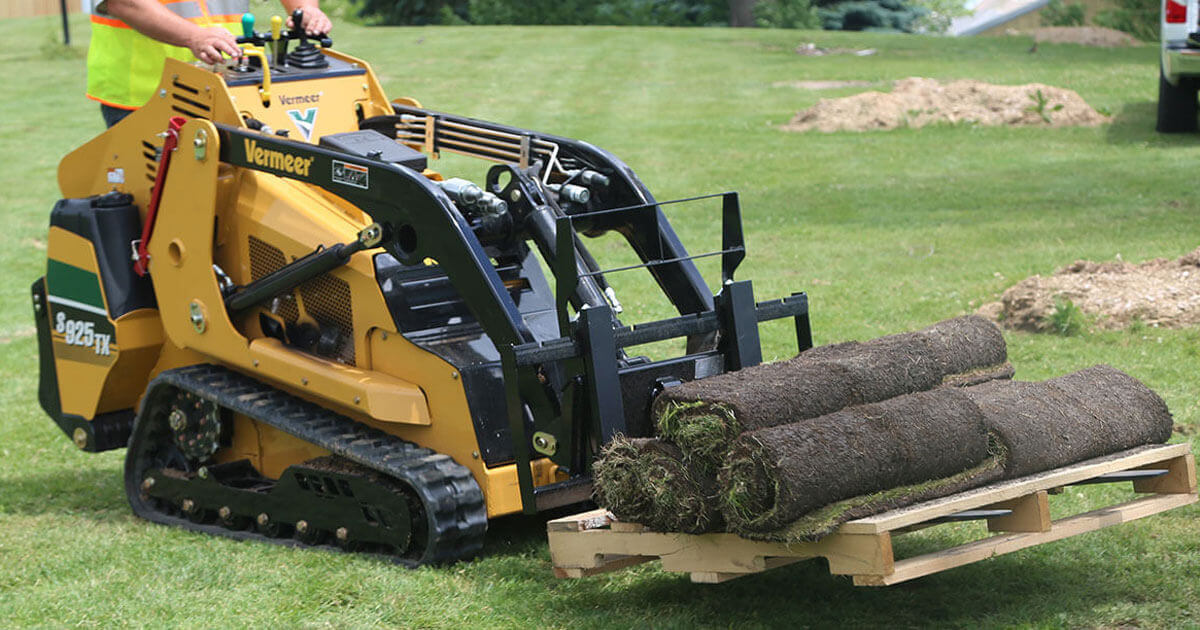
{"x": 177, "y": 420}
{"x": 203, "y": 472}
{"x": 343, "y": 534}
{"x": 263, "y": 519}
{"x": 515, "y": 195}
{"x": 225, "y": 512}
{"x": 302, "y": 527}
{"x": 189, "y": 506}
{"x": 80, "y": 437}
{"x": 148, "y": 483}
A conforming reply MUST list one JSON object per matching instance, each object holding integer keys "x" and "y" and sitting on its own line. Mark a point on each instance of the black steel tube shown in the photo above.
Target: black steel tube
{"x": 291, "y": 276}
{"x": 62, "y": 4}
{"x": 540, "y": 225}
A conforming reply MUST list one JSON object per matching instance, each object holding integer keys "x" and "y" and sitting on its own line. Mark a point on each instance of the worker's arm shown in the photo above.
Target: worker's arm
{"x": 151, "y": 19}
{"x": 316, "y": 23}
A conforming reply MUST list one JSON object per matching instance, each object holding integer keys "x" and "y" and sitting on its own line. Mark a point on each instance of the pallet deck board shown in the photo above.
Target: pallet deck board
{"x": 594, "y": 542}
{"x": 1135, "y": 458}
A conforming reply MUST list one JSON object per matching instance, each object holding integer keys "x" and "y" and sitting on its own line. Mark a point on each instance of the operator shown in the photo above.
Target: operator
{"x": 131, "y": 40}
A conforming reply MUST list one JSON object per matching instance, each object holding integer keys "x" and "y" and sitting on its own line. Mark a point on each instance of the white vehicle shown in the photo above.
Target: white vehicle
{"x": 1179, "y": 75}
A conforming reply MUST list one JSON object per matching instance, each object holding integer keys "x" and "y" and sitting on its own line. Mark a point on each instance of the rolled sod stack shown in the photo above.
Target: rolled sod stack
{"x": 646, "y": 481}
{"x": 704, "y": 417}
{"x": 799, "y": 481}
{"x": 934, "y": 441}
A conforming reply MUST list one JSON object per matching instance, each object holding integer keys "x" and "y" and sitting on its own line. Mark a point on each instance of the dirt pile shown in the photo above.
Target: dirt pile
{"x": 1159, "y": 292}
{"x": 1085, "y": 35}
{"x": 916, "y": 102}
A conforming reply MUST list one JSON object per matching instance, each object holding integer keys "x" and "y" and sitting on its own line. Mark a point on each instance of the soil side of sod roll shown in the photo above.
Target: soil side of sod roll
{"x": 1068, "y": 419}
{"x": 704, "y": 417}
{"x": 776, "y": 475}
{"x": 648, "y": 481}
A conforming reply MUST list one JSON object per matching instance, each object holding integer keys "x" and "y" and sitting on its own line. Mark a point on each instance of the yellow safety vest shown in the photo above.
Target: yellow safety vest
{"x": 125, "y": 66}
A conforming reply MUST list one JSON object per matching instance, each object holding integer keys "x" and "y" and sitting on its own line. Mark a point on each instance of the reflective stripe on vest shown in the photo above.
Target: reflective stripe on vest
{"x": 125, "y": 66}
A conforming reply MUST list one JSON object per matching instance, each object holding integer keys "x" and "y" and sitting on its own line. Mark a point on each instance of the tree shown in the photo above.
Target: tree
{"x": 741, "y": 12}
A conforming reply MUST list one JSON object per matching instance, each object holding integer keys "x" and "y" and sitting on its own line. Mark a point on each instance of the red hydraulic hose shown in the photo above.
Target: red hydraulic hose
{"x": 140, "y": 264}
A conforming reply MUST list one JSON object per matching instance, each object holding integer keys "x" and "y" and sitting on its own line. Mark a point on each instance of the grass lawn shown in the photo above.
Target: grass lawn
{"x": 886, "y": 231}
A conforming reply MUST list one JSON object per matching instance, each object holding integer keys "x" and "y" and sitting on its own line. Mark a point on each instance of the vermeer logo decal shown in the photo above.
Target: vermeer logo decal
{"x": 303, "y": 98}
{"x": 277, "y": 160}
{"x": 351, "y": 174}
{"x": 304, "y": 121}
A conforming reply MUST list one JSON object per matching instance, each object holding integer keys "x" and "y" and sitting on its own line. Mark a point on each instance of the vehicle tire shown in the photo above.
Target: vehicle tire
{"x": 1176, "y": 105}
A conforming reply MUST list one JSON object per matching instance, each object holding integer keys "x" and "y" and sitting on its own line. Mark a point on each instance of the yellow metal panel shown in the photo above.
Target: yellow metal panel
{"x": 91, "y": 383}
{"x": 383, "y": 397}
{"x": 81, "y": 372}
{"x": 453, "y": 430}
{"x": 72, "y": 249}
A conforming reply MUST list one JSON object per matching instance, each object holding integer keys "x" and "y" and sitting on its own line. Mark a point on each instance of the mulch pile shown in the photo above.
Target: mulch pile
{"x": 842, "y": 455}
{"x": 916, "y": 102}
{"x": 1113, "y": 295}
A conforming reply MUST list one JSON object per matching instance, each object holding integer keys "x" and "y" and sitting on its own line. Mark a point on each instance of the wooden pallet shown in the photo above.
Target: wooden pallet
{"x": 593, "y": 542}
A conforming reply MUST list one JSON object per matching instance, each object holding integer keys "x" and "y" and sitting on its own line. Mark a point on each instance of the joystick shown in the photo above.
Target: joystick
{"x": 306, "y": 55}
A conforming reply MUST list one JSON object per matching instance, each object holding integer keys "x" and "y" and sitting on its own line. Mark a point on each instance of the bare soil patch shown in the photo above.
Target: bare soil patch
{"x": 1160, "y": 292}
{"x": 916, "y": 102}
{"x": 1085, "y": 35}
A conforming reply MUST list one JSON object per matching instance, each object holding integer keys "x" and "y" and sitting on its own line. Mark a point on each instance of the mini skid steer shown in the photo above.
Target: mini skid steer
{"x": 304, "y": 335}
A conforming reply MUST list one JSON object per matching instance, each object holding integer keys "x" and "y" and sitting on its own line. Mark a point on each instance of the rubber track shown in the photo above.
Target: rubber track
{"x": 446, "y": 489}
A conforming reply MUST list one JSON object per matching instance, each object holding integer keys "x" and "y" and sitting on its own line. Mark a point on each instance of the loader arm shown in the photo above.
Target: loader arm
{"x": 419, "y": 219}
{"x": 434, "y": 132}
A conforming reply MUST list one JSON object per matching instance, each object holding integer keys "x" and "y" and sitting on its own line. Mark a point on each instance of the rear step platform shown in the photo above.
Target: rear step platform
{"x": 1017, "y": 511}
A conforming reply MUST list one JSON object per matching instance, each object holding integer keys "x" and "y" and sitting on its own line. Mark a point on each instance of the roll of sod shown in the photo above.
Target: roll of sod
{"x": 648, "y": 481}
{"x": 1090, "y": 413}
{"x": 776, "y": 475}
{"x": 704, "y": 417}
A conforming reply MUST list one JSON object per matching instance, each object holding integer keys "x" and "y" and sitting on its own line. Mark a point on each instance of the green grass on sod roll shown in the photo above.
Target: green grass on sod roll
{"x": 649, "y": 481}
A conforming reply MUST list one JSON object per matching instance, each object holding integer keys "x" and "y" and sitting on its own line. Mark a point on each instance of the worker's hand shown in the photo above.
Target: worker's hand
{"x": 316, "y": 23}
{"x": 207, "y": 44}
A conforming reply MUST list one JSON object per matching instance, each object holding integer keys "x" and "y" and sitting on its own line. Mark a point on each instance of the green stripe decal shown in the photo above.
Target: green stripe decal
{"x": 73, "y": 283}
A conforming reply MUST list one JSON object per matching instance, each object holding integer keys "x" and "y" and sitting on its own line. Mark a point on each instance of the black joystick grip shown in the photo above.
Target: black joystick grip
{"x": 298, "y": 26}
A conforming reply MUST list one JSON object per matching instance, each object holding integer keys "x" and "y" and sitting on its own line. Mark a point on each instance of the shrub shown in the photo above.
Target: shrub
{"x": 1136, "y": 17}
{"x": 872, "y": 15}
{"x": 415, "y": 12}
{"x": 1059, "y": 13}
{"x": 938, "y": 14}
{"x": 610, "y": 12}
{"x": 786, "y": 14}
{"x": 1066, "y": 320}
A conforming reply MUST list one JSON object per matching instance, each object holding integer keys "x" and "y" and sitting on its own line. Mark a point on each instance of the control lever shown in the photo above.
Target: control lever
{"x": 306, "y": 55}
{"x": 276, "y": 40}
